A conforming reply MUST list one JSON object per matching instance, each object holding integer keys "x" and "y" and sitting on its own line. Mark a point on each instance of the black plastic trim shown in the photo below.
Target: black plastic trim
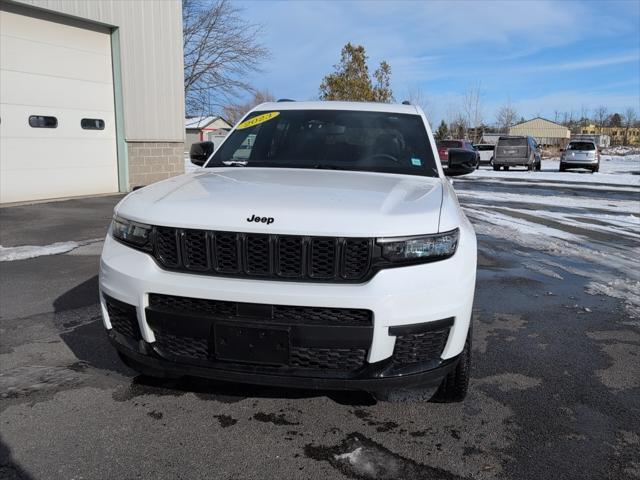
{"x": 421, "y": 327}
{"x": 374, "y": 377}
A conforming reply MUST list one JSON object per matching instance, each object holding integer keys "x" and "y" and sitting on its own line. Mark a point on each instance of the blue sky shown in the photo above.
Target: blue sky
{"x": 545, "y": 56}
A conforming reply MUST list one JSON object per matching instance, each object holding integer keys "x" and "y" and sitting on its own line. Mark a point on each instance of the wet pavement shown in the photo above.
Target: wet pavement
{"x": 555, "y": 391}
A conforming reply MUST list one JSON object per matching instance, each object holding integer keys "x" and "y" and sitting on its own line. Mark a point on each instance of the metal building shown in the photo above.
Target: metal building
{"x": 544, "y": 131}
{"x": 91, "y": 96}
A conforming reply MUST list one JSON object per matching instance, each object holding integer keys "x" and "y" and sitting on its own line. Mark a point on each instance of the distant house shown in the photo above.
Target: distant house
{"x": 201, "y": 129}
{"x": 618, "y": 135}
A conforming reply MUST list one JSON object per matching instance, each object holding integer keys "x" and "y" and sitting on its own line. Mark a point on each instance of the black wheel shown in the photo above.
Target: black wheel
{"x": 455, "y": 385}
{"x": 496, "y": 168}
{"x": 506, "y": 168}
{"x": 562, "y": 169}
{"x": 539, "y": 166}
{"x": 595, "y": 169}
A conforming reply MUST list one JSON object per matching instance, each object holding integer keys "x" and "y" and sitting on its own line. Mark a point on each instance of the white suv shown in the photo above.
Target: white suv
{"x": 321, "y": 246}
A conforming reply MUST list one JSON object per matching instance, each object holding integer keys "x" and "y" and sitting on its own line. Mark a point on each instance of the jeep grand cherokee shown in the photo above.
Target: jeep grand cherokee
{"x": 321, "y": 246}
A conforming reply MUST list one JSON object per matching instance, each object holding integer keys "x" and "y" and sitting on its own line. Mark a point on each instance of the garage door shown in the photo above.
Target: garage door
{"x": 57, "y": 131}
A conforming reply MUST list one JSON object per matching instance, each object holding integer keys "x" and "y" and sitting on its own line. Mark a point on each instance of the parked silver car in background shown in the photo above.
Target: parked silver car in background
{"x": 580, "y": 154}
{"x": 514, "y": 151}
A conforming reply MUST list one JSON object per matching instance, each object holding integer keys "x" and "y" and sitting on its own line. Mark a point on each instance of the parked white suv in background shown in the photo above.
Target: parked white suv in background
{"x": 329, "y": 251}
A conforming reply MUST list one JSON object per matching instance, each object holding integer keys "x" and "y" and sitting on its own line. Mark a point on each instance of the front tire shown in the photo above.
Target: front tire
{"x": 562, "y": 168}
{"x": 455, "y": 385}
{"x": 496, "y": 168}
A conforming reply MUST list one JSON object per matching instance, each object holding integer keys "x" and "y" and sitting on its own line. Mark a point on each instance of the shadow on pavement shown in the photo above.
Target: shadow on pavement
{"x": 9, "y": 468}
{"x": 79, "y": 296}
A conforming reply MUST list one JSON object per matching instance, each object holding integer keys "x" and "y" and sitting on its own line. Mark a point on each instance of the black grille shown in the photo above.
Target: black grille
{"x": 123, "y": 318}
{"x": 321, "y": 339}
{"x": 180, "y": 346}
{"x": 343, "y": 359}
{"x": 284, "y": 314}
{"x": 321, "y": 315}
{"x": 420, "y": 347}
{"x": 279, "y": 257}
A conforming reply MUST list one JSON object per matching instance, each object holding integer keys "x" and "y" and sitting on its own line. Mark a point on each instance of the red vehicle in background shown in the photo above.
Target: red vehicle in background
{"x": 445, "y": 145}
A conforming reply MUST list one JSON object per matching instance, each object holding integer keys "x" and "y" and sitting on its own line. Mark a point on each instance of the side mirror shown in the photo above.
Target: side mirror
{"x": 200, "y": 152}
{"x": 461, "y": 162}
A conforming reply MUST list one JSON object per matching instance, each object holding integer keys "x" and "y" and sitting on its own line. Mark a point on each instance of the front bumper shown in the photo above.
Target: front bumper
{"x": 419, "y": 294}
{"x": 374, "y": 377}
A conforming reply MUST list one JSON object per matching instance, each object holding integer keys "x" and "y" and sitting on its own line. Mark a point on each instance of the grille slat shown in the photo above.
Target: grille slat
{"x": 166, "y": 243}
{"x": 278, "y": 257}
{"x": 322, "y": 258}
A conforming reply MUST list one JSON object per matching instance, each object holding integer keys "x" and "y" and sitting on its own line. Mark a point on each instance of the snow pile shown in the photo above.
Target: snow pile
{"x": 622, "y": 151}
{"x": 591, "y": 220}
{"x": 23, "y": 252}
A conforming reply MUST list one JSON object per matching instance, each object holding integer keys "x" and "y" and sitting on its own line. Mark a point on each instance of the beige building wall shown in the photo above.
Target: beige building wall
{"x": 544, "y": 131}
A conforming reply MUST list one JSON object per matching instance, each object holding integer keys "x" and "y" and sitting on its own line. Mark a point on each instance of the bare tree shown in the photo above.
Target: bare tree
{"x": 416, "y": 96}
{"x": 472, "y": 108}
{"x": 629, "y": 118}
{"x": 506, "y": 116}
{"x": 220, "y": 50}
{"x": 600, "y": 115}
{"x": 235, "y": 111}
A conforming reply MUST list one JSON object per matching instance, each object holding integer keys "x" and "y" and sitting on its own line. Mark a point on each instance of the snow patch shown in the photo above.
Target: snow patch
{"x": 23, "y": 252}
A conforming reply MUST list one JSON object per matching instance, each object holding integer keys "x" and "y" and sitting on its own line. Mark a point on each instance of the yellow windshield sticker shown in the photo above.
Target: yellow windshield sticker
{"x": 252, "y": 122}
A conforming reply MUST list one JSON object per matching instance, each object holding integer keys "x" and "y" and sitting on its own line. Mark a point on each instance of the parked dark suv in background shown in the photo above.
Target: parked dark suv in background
{"x": 514, "y": 151}
{"x": 445, "y": 145}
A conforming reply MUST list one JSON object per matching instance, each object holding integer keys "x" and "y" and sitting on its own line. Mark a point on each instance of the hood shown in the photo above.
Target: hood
{"x": 300, "y": 202}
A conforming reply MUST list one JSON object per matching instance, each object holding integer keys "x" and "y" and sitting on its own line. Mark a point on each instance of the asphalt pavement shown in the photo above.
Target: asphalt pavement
{"x": 555, "y": 391}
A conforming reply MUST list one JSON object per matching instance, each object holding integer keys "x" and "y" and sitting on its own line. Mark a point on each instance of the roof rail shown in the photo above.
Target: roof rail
{"x": 285, "y": 100}
{"x": 406, "y": 102}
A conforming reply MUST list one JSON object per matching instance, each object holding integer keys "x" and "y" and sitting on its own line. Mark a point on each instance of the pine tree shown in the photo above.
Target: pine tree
{"x": 351, "y": 80}
{"x": 442, "y": 132}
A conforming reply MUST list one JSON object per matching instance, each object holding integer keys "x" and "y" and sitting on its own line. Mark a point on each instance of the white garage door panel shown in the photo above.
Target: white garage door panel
{"x": 35, "y": 154}
{"x": 22, "y": 55}
{"x": 27, "y": 89}
{"x": 68, "y": 123}
{"x": 64, "y": 71}
{"x": 52, "y": 33}
{"x": 48, "y": 183}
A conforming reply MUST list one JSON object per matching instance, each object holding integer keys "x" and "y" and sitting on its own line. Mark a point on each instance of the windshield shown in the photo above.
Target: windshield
{"x": 512, "y": 142}
{"x": 449, "y": 144}
{"x": 331, "y": 139}
{"x": 581, "y": 146}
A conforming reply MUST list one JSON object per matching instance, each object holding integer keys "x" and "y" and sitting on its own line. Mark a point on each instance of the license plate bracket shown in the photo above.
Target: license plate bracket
{"x": 244, "y": 343}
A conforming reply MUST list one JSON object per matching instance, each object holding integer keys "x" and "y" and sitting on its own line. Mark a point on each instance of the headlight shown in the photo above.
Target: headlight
{"x": 134, "y": 234}
{"x": 423, "y": 247}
